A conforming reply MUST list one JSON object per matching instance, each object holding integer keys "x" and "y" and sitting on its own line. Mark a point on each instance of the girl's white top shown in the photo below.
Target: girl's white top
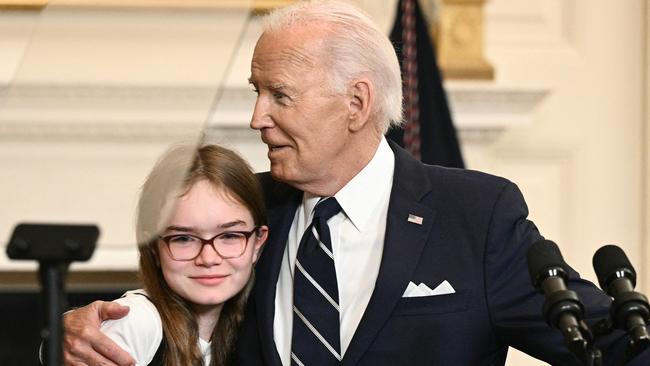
{"x": 140, "y": 332}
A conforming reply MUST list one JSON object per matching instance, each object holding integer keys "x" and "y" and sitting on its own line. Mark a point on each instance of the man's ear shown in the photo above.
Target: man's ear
{"x": 362, "y": 95}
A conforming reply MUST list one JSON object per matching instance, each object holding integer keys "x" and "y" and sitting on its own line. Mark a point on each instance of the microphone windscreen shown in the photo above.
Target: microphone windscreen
{"x": 543, "y": 255}
{"x": 609, "y": 259}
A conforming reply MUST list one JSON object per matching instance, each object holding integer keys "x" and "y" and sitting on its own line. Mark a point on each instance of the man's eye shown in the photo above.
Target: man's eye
{"x": 279, "y": 96}
{"x": 256, "y": 91}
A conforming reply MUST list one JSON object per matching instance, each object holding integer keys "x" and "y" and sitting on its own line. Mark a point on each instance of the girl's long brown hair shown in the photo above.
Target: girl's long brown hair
{"x": 172, "y": 177}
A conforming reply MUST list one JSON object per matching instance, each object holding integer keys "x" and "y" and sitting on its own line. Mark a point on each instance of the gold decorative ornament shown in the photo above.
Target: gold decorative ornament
{"x": 459, "y": 40}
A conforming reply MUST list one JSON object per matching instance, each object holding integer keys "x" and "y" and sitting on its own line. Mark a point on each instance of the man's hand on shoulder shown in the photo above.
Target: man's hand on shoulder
{"x": 83, "y": 341}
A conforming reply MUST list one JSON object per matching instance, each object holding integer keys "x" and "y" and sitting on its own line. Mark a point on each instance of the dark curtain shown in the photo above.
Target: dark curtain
{"x": 438, "y": 140}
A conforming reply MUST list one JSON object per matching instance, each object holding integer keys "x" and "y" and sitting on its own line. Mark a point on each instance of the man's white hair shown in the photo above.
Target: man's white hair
{"x": 354, "y": 47}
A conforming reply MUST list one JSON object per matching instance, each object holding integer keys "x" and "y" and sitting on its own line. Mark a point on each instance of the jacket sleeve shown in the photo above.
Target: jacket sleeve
{"x": 516, "y": 306}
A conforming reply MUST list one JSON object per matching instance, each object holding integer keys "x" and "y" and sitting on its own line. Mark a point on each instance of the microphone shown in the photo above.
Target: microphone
{"x": 630, "y": 310}
{"x": 562, "y": 307}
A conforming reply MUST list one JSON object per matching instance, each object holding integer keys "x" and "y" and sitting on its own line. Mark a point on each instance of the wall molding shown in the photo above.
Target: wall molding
{"x": 132, "y": 113}
{"x": 76, "y": 280}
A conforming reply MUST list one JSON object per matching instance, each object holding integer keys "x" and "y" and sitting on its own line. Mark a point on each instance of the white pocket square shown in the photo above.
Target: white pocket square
{"x": 413, "y": 290}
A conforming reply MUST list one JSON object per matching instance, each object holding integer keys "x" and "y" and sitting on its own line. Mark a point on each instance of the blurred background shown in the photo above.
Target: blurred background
{"x": 553, "y": 95}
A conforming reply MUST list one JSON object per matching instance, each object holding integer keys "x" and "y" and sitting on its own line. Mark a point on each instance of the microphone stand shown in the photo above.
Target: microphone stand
{"x": 52, "y": 278}
{"x": 54, "y": 246}
{"x": 635, "y": 345}
{"x": 580, "y": 341}
{"x": 632, "y": 303}
{"x": 625, "y": 305}
{"x": 578, "y": 337}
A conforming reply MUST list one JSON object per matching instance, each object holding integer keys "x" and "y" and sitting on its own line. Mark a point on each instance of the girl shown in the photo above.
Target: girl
{"x": 201, "y": 223}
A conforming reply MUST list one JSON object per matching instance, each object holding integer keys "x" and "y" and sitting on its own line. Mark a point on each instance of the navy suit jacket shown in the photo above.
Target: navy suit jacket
{"x": 475, "y": 235}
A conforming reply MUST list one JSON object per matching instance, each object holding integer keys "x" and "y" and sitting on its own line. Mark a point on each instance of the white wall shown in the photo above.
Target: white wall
{"x": 580, "y": 162}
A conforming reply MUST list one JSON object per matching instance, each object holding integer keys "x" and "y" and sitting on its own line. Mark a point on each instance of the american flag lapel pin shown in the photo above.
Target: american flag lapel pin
{"x": 415, "y": 219}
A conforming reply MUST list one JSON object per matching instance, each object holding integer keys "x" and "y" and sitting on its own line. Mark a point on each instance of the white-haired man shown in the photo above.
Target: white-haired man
{"x": 429, "y": 262}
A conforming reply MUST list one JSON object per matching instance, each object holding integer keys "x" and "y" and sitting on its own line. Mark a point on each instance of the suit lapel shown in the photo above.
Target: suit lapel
{"x": 403, "y": 244}
{"x": 281, "y": 208}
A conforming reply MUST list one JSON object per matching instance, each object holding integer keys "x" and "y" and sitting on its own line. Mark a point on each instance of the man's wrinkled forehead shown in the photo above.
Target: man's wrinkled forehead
{"x": 296, "y": 46}
{"x": 296, "y": 55}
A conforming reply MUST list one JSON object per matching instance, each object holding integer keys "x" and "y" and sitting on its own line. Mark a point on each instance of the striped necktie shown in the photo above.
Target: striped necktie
{"x": 316, "y": 329}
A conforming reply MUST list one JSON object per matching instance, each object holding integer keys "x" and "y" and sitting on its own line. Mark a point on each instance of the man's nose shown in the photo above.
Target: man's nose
{"x": 261, "y": 117}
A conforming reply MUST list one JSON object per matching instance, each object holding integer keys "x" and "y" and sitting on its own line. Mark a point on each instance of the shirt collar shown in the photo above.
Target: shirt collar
{"x": 365, "y": 192}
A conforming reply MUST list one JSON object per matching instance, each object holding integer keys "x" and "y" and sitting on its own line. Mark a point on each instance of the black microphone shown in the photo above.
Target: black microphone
{"x": 562, "y": 308}
{"x": 630, "y": 310}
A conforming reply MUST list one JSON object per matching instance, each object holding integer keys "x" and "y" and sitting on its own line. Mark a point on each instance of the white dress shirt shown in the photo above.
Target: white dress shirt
{"x": 357, "y": 242}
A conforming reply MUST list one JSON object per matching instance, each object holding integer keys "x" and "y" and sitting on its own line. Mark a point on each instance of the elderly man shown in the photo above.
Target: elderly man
{"x": 404, "y": 264}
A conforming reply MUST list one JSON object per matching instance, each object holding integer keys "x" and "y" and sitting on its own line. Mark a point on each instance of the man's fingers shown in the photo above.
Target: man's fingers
{"x": 91, "y": 357}
{"x": 113, "y": 352}
{"x": 84, "y": 343}
{"x": 111, "y": 310}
